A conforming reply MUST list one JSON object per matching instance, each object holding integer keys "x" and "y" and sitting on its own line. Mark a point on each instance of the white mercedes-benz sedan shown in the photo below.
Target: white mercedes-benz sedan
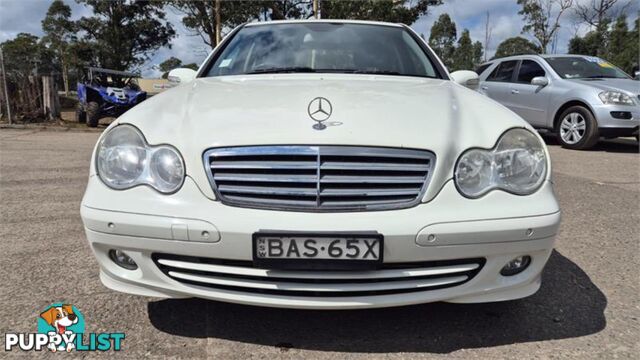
{"x": 322, "y": 165}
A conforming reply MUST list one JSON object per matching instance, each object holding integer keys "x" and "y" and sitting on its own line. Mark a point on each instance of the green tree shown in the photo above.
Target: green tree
{"x": 23, "y": 56}
{"x": 168, "y": 65}
{"x": 542, "y": 19}
{"x": 621, "y": 51}
{"x": 59, "y": 33}
{"x": 399, "y": 11}
{"x": 192, "y": 66}
{"x": 467, "y": 54}
{"x": 442, "y": 39}
{"x": 200, "y": 16}
{"x": 478, "y": 53}
{"x": 125, "y": 33}
{"x": 516, "y": 46}
{"x": 616, "y": 43}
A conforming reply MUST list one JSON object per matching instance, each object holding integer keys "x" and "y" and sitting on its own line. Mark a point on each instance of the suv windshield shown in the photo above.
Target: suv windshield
{"x": 591, "y": 67}
{"x": 323, "y": 48}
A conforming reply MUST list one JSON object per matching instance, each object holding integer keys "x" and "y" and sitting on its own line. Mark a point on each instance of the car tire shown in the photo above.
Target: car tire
{"x": 81, "y": 116}
{"x": 93, "y": 114}
{"x": 577, "y": 128}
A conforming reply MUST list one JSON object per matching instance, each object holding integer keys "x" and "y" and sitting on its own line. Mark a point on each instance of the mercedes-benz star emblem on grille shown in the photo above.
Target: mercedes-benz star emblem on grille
{"x": 319, "y": 110}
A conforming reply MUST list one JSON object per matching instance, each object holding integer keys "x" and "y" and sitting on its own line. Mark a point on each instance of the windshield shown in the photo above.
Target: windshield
{"x": 323, "y": 48}
{"x": 574, "y": 67}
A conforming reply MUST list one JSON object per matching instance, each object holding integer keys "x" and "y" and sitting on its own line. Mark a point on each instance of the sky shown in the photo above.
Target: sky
{"x": 26, "y": 15}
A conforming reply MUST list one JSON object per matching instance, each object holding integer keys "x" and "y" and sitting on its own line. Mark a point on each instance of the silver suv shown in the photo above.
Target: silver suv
{"x": 580, "y": 98}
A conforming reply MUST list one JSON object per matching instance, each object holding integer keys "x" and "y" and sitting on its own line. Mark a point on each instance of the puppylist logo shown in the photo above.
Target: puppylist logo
{"x": 61, "y": 327}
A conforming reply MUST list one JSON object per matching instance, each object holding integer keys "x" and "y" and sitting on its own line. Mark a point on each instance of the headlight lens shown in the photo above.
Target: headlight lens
{"x": 166, "y": 169}
{"x": 517, "y": 164}
{"x": 125, "y": 160}
{"x": 615, "y": 98}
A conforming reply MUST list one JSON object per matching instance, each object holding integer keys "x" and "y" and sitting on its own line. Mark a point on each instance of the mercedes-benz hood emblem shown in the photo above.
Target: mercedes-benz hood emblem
{"x": 319, "y": 110}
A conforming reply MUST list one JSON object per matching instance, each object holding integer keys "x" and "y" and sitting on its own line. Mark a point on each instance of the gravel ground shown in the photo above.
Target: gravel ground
{"x": 587, "y": 307}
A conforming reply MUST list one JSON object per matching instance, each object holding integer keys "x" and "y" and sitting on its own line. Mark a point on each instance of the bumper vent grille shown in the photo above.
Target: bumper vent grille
{"x": 319, "y": 178}
{"x": 393, "y": 278}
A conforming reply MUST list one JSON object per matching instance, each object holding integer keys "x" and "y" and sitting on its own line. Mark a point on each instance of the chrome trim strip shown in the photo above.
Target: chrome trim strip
{"x": 344, "y": 287}
{"x": 344, "y": 275}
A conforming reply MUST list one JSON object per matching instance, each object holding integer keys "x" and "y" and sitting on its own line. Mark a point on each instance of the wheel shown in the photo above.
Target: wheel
{"x": 81, "y": 116}
{"x": 93, "y": 114}
{"x": 577, "y": 128}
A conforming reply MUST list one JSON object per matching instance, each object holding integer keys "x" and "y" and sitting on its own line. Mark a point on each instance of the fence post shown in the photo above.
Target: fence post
{"x": 5, "y": 91}
{"x": 50, "y": 100}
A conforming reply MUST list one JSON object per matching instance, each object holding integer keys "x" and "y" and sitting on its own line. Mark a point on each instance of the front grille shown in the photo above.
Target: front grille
{"x": 319, "y": 178}
{"x": 392, "y": 278}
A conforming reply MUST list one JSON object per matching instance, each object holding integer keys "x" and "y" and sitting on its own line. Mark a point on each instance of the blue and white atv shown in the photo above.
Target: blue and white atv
{"x": 106, "y": 93}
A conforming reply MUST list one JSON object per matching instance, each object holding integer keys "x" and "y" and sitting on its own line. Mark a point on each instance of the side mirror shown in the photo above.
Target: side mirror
{"x": 540, "y": 81}
{"x": 466, "y": 78}
{"x": 181, "y": 76}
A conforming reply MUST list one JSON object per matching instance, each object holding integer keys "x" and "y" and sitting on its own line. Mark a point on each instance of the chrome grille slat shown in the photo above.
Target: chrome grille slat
{"x": 366, "y": 201}
{"x": 265, "y": 178}
{"x": 346, "y": 287}
{"x": 391, "y": 278}
{"x": 331, "y": 165}
{"x": 265, "y": 165}
{"x": 319, "y": 178}
{"x": 369, "y": 192}
{"x": 372, "y": 179}
{"x": 279, "y": 201}
{"x": 309, "y": 274}
{"x": 286, "y": 191}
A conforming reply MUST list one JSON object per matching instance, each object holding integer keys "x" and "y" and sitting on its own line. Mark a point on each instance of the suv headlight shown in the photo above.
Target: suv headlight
{"x": 615, "y": 98}
{"x": 124, "y": 160}
{"x": 516, "y": 164}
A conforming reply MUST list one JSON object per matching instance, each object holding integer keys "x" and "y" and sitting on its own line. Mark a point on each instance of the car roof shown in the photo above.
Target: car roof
{"x": 325, "y": 21}
{"x": 528, "y": 56}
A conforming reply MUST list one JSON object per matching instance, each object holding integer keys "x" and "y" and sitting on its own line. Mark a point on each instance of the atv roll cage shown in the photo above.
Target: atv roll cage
{"x": 112, "y": 78}
{"x": 106, "y": 93}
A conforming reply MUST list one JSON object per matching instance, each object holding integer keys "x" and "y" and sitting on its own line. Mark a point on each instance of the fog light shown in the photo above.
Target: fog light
{"x": 122, "y": 259}
{"x": 516, "y": 265}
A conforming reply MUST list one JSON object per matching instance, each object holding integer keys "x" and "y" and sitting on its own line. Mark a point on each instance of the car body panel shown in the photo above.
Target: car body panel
{"x": 561, "y": 92}
{"x": 399, "y": 112}
{"x": 445, "y": 118}
{"x": 487, "y": 216}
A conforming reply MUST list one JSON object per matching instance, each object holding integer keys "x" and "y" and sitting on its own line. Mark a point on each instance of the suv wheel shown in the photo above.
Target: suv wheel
{"x": 81, "y": 116}
{"x": 577, "y": 129}
{"x": 93, "y": 114}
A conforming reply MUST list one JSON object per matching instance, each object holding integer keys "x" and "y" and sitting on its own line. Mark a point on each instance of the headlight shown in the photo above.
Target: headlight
{"x": 615, "y": 98}
{"x": 124, "y": 160}
{"x": 517, "y": 164}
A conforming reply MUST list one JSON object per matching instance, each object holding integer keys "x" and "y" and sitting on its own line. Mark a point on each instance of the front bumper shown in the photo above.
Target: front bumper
{"x": 613, "y": 126}
{"x": 495, "y": 228}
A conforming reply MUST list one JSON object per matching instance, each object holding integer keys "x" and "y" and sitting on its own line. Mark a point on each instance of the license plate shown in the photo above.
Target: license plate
{"x": 318, "y": 250}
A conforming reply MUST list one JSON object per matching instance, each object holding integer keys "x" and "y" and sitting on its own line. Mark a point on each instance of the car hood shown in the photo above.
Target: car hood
{"x": 628, "y": 85}
{"x": 432, "y": 114}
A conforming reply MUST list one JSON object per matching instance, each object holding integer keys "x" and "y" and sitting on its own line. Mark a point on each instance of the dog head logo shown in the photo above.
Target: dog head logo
{"x": 60, "y": 317}
{"x": 61, "y": 322}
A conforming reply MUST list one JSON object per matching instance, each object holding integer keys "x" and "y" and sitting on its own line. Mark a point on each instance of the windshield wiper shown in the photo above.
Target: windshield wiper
{"x": 359, "y": 71}
{"x": 281, "y": 70}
